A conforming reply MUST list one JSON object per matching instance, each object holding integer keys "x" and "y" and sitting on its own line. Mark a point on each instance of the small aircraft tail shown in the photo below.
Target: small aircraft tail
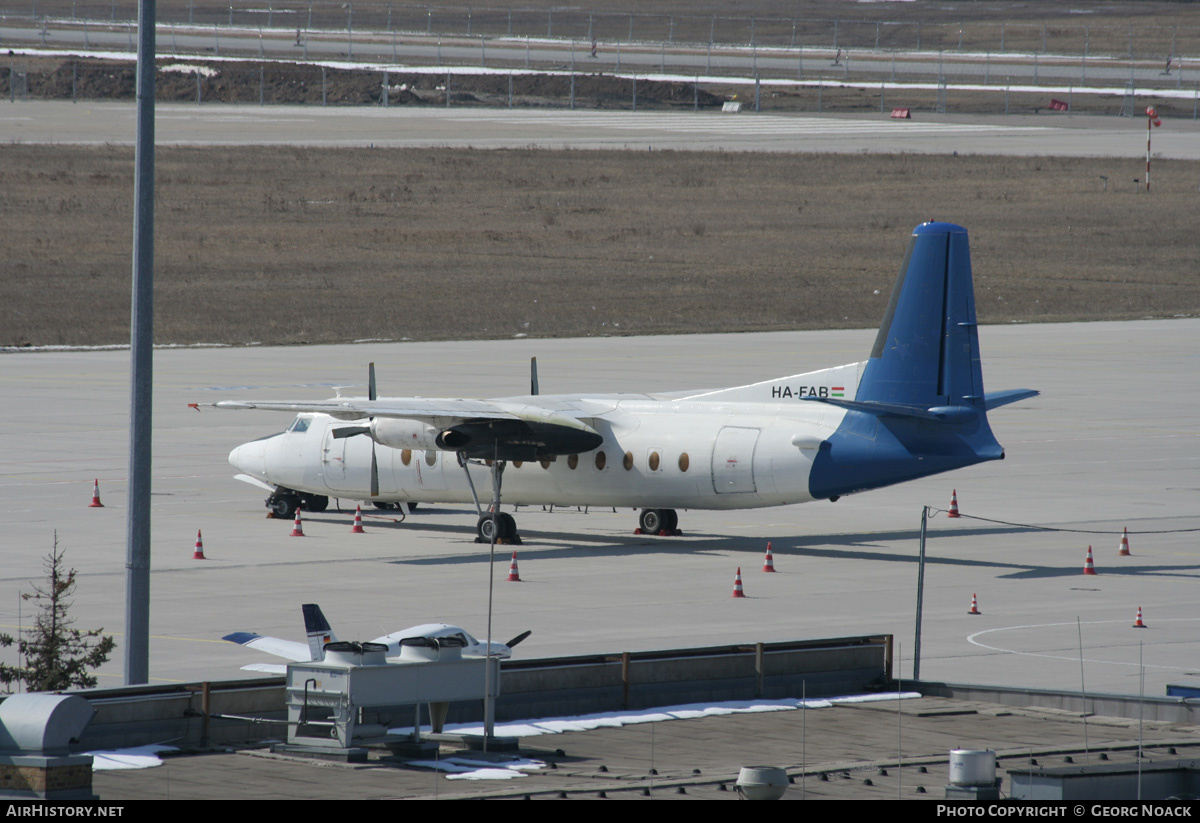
{"x": 920, "y": 408}
{"x": 927, "y": 351}
{"x": 318, "y": 630}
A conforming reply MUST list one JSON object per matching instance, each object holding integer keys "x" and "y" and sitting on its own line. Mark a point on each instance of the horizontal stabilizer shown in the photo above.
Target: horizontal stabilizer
{"x": 287, "y": 649}
{"x": 995, "y": 399}
{"x": 941, "y": 414}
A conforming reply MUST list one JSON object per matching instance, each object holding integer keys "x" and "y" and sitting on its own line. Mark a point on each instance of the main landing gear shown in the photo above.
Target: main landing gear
{"x": 660, "y": 522}
{"x": 502, "y": 528}
{"x": 505, "y": 527}
{"x": 284, "y": 502}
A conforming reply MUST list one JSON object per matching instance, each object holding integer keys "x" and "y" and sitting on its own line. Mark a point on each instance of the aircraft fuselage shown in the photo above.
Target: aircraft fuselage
{"x": 655, "y": 453}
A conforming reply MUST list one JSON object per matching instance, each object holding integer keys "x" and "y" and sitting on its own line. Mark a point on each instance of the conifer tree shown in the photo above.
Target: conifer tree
{"x": 55, "y": 655}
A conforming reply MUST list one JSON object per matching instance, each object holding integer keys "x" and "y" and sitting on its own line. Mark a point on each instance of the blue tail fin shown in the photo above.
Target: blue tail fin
{"x": 920, "y": 407}
{"x": 318, "y": 630}
{"x": 927, "y": 351}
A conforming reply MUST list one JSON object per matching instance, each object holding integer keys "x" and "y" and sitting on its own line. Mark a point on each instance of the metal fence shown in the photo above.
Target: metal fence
{"x": 769, "y": 64}
{"x": 266, "y": 83}
{"x": 1132, "y": 41}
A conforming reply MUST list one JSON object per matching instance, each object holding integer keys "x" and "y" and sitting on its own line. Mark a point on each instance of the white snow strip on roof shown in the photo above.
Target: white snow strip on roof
{"x": 139, "y": 757}
{"x": 464, "y": 768}
{"x": 600, "y": 720}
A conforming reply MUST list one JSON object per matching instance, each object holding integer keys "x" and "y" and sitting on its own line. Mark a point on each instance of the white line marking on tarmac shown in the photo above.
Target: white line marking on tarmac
{"x": 757, "y": 125}
{"x": 971, "y": 639}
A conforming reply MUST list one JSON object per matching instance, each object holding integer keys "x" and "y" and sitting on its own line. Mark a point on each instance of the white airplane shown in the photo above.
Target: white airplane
{"x": 914, "y": 408}
{"x": 417, "y": 644}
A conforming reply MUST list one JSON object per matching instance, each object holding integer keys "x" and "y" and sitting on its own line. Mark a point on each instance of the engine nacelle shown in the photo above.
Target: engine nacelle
{"x": 398, "y": 433}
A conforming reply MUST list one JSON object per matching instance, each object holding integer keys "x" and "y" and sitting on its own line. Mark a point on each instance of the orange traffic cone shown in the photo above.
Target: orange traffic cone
{"x": 953, "y": 504}
{"x": 974, "y": 605}
{"x": 358, "y": 529}
{"x": 769, "y": 560}
{"x": 1088, "y": 566}
{"x": 514, "y": 575}
{"x": 1123, "y": 551}
{"x": 1138, "y": 624}
{"x": 737, "y": 584}
{"x": 96, "y": 504}
{"x": 198, "y": 554}
{"x": 297, "y": 529}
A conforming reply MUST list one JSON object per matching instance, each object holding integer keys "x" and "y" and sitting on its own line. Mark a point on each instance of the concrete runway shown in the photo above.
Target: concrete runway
{"x": 1111, "y": 443}
{"x": 225, "y": 125}
{"x": 1114, "y": 441}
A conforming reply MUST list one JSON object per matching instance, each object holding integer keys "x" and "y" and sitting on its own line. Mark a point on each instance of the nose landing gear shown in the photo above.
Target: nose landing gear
{"x": 284, "y": 502}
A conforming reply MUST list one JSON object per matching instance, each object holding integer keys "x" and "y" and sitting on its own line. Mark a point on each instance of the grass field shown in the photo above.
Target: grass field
{"x": 297, "y": 245}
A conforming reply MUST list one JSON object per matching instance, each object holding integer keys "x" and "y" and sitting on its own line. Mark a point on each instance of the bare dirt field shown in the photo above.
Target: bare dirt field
{"x": 289, "y": 245}
{"x": 297, "y": 245}
{"x": 272, "y": 83}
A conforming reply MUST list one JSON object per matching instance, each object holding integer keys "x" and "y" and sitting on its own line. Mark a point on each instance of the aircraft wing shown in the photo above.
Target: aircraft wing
{"x": 412, "y": 408}
{"x": 287, "y": 649}
{"x": 512, "y": 429}
{"x": 434, "y": 409}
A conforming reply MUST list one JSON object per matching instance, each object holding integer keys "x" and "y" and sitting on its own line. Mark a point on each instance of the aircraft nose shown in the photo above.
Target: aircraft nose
{"x": 249, "y": 458}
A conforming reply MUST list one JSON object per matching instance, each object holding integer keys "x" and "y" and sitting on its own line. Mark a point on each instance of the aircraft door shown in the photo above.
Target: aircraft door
{"x": 346, "y": 466}
{"x": 733, "y": 460}
{"x": 333, "y": 461}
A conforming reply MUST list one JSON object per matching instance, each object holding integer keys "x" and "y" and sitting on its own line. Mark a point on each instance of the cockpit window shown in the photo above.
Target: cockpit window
{"x": 299, "y": 425}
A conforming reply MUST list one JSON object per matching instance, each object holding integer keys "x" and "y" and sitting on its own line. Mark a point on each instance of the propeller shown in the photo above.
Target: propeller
{"x": 519, "y": 638}
{"x": 533, "y": 381}
{"x": 351, "y": 431}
